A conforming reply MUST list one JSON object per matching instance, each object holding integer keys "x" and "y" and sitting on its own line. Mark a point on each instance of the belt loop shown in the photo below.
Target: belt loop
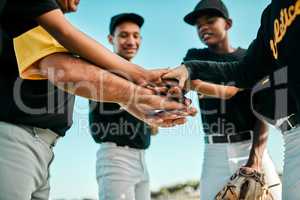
{"x": 210, "y": 139}
{"x": 251, "y": 135}
{"x": 228, "y": 138}
{"x": 34, "y": 132}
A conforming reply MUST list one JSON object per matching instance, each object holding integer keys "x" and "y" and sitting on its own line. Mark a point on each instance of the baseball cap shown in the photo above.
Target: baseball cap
{"x": 207, "y": 6}
{"x": 117, "y": 19}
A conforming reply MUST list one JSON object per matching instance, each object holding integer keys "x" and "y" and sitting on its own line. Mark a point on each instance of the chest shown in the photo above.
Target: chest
{"x": 283, "y": 38}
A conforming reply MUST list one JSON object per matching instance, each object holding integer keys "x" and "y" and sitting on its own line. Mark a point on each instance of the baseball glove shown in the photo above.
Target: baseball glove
{"x": 245, "y": 184}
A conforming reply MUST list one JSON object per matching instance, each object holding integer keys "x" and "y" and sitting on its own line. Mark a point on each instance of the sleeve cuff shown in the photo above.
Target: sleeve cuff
{"x": 30, "y": 48}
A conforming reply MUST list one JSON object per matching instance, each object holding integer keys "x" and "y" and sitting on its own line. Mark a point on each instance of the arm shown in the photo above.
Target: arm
{"x": 244, "y": 74}
{"x": 82, "y": 78}
{"x": 259, "y": 143}
{"x": 255, "y": 65}
{"x": 77, "y": 42}
{"x": 214, "y": 90}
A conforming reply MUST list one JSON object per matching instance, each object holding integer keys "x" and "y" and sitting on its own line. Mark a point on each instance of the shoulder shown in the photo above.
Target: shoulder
{"x": 29, "y": 9}
{"x": 239, "y": 54}
{"x": 195, "y": 53}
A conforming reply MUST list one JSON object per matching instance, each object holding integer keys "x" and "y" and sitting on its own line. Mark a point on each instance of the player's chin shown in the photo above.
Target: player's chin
{"x": 129, "y": 54}
{"x": 210, "y": 42}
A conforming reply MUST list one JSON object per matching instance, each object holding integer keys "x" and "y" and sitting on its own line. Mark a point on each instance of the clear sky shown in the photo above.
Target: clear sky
{"x": 175, "y": 154}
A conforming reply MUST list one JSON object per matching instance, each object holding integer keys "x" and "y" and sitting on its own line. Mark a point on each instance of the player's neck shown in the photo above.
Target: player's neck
{"x": 223, "y": 47}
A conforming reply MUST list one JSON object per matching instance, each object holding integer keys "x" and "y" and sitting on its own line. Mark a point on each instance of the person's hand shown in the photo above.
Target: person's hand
{"x": 68, "y": 5}
{"x": 254, "y": 162}
{"x": 156, "y": 110}
{"x": 179, "y": 73}
{"x": 151, "y": 77}
{"x": 154, "y": 130}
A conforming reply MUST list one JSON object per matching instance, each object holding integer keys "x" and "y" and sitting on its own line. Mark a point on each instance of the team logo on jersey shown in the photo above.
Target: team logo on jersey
{"x": 287, "y": 16}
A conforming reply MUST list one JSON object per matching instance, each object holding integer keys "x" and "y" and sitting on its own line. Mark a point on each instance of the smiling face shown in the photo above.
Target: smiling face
{"x": 213, "y": 30}
{"x": 126, "y": 39}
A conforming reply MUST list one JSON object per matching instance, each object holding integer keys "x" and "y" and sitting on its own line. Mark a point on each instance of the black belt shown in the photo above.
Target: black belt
{"x": 238, "y": 137}
{"x": 289, "y": 123}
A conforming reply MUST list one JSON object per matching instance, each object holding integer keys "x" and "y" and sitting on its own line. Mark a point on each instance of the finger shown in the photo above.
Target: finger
{"x": 201, "y": 96}
{"x": 171, "y": 75}
{"x": 63, "y": 5}
{"x": 158, "y": 89}
{"x": 159, "y": 122}
{"x": 153, "y": 121}
{"x": 174, "y": 114}
{"x": 73, "y": 5}
{"x": 192, "y": 111}
{"x": 180, "y": 121}
{"x": 171, "y": 123}
{"x": 158, "y": 74}
{"x": 170, "y": 82}
{"x": 167, "y": 124}
{"x": 187, "y": 101}
{"x": 183, "y": 113}
{"x": 182, "y": 82}
{"x": 172, "y": 105}
{"x": 175, "y": 93}
{"x": 162, "y": 71}
{"x": 167, "y": 115}
{"x": 155, "y": 102}
{"x": 69, "y": 5}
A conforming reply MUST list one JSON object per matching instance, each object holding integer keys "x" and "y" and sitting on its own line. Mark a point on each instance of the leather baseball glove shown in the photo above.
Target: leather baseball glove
{"x": 245, "y": 184}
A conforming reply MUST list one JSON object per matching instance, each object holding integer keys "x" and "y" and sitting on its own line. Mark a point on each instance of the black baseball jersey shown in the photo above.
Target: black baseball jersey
{"x": 273, "y": 55}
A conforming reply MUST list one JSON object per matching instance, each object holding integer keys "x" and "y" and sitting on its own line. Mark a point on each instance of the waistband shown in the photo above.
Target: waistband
{"x": 112, "y": 144}
{"x": 230, "y": 138}
{"x": 288, "y": 123}
{"x": 47, "y": 135}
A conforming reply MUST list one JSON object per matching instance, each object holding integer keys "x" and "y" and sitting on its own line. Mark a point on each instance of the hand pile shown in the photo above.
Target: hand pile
{"x": 160, "y": 101}
{"x": 170, "y": 89}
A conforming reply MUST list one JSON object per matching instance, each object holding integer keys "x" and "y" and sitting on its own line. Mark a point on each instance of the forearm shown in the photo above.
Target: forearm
{"x": 260, "y": 137}
{"x": 84, "y": 79}
{"x": 214, "y": 90}
{"x": 77, "y": 42}
{"x": 244, "y": 74}
{"x": 216, "y": 72}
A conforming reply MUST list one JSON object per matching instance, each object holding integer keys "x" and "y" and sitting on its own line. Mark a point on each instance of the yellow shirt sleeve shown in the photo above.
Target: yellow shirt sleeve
{"x": 30, "y": 48}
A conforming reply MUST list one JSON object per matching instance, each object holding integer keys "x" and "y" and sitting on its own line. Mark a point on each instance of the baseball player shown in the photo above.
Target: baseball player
{"x": 271, "y": 61}
{"x": 228, "y": 123}
{"x": 121, "y": 165}
{"x": 35, "y": 110}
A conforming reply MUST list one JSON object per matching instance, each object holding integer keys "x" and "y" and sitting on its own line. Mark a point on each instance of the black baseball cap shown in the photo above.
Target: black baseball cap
{"x": 207, "y": 7}
{"x": 117, "y": 19}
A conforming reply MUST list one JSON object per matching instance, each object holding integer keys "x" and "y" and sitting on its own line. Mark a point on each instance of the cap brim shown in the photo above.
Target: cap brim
{"x": 192, "y": 16}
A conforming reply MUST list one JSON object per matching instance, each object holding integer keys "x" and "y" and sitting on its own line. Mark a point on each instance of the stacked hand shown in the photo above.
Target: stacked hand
{"x": 159, "y": 101}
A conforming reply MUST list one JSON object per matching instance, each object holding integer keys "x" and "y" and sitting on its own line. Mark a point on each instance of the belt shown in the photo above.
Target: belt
{"x": 113, "y": 144}
{"x": 288, "y": 123}
{"x": 230, "y": 138}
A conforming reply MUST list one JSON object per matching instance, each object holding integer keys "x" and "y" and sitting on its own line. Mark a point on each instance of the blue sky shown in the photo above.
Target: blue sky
{"x": 175, "y": 154}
